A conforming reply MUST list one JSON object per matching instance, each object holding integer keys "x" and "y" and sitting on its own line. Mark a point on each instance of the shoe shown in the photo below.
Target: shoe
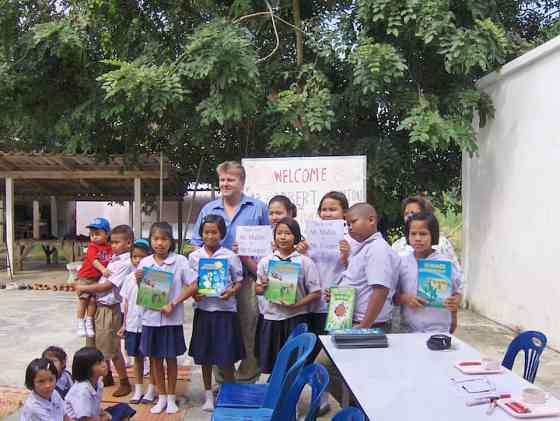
{"x": 124, "y": 389}
{"x": 172, "y": 407}
{"x": 208, "y": 403}
{"x": 90, "y": 333}
{"x": 108, "y": 380}
{"x": 81, "y": 330}
{"x": 160, "y": 406}
{"x": 150, "y": 395}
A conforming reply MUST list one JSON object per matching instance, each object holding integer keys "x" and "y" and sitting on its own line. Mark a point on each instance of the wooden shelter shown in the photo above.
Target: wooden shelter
{"x": 31, "y": 177}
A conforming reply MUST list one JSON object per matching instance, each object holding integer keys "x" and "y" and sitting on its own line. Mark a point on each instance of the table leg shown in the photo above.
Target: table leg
{"x": 345, "y": 396}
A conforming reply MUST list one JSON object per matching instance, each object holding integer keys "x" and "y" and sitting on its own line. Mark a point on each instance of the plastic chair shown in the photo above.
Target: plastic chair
{"x": 349, "y": 414}
{"x": 298, "y": 330}
{"x": 314, "y": 375}
{"x": 532, "y": 343}
{"x": 289, "y": 363}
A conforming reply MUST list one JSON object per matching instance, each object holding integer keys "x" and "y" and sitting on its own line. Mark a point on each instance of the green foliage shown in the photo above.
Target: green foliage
{"x": 390, "y": 79}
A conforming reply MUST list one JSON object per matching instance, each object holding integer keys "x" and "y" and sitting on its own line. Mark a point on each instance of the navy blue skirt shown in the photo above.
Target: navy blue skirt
{"x": 162, "y": 341}
{"x": 132, "y": 343}
{"x": 317, "y": 322}
{"x": 271, "y": 337}
{"x": 216, "y": 338}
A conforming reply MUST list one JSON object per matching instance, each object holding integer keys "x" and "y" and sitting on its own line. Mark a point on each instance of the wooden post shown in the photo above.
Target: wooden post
{"x": 180, "y": 223}
{"x": 36, "y": 220}
{"x": 137, "y": 207}
{"x": 2, "y": 219}
{"x": 54, "y": 217}
{"x": 10, "y": 222}
{"x": 131, "y": 213}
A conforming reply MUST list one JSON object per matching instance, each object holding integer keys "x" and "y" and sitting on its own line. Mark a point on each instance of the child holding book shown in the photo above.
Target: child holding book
{"x": 333, "y": 206}
{"x": 422, "y": 234}
{"x": 216, "y": 335}
{"x": 162, "y": 330}
{"x": 64, "y": 378}
{"x": 93, "y": 267}
{"x": 83, "y": 401}
{"x": 132, "y": 326}
{"x": 44, "y": 403}
{"x": 280, "y": 315}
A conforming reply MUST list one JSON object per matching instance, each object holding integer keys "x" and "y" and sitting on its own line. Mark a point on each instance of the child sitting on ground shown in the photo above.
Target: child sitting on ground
{"x": 64, "y": 378}
{"x": 93, "y": 267}
{"x": 44, "y": 403}
{"x": 83, "y": 401}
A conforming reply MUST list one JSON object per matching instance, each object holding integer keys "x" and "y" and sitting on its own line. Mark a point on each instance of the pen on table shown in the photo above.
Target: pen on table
{"x": 487, "y": 399}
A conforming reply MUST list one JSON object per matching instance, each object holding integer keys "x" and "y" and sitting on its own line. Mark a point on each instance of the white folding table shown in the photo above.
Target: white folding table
{"x": 409, "y": 382}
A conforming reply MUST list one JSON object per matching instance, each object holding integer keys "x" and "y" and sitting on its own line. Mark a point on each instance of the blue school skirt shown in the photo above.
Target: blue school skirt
{"x": 216, "y": 338}
{"x": 271, "y": 337}
{"x": 132, "y": 343}
{"x": 162, "y": 341}
{"x": 120, "y": 411}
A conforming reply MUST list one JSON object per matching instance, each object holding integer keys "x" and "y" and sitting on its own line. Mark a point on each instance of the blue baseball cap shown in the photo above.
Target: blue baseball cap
{"x": 142, "y": 243}
{"x": 100, "y": 224}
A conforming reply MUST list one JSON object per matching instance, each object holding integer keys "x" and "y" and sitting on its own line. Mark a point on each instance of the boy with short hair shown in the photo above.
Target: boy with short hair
{"x": 93, "y": 267}
{"x": 108, "y": 317}
{"x": 373, "y": 272}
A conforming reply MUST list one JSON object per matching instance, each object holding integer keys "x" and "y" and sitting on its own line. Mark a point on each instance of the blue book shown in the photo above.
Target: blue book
{"x": 212, "y": 276}
{"x": 153, "y": 290}
{"x": 434, "y": 281}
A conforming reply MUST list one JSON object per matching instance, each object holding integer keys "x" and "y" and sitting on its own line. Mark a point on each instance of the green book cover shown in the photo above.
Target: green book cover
{"x": 153, "y": 290}
{"x": 341, "y": 309}
{"x": 434, "y": 281}
{"x": 212, "y": 276}
{"x": 282, "y": 282}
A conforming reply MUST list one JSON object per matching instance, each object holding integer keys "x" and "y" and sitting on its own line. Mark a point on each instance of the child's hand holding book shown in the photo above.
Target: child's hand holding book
{"x": 260, "y": 285}
{"x": 139, "y": 275}
{"x": 412, "y": 301}
{"x": 452, "y": 303}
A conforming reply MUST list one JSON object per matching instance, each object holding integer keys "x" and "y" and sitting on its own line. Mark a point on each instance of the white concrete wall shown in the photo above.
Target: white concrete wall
{"x": 512, "y": 198}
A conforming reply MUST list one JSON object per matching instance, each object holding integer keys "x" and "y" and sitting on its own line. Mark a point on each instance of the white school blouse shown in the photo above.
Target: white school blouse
{"x": 308, "y": 282}
{"x": 84, "y": 400}
{"x": 129, "y": 292}
{"x": 426, "y": 319}
{"x": 120, "y": 268}
{"x": 37, "y": 408}
{"x": 182, "y": 276}
{"x": 235, "y": 274}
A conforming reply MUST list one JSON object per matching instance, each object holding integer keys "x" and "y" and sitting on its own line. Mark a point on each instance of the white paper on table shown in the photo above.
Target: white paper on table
{"x": 474, "y": 387}
{"x": 254, "y": 240}
{"x": 324, "y": 235}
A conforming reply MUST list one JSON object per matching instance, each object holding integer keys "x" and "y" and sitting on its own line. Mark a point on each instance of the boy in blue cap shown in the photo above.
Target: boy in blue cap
{"x": 93, "y": 267}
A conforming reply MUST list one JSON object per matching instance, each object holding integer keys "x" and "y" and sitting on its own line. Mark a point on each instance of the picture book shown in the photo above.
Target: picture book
{"x": 341, "y": 309}
{"x": 153, "y": 291}
{"x": 434, "y": 281}
{"x": 282, "y": 282}
{"x": 212, "y": 276}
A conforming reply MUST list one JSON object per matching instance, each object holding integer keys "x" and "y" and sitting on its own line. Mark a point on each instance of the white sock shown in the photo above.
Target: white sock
{"x": 171, "y": 404}
{"x": 160, "y": 406}
{"x": 324, "y": 400}
{"x": 151, "y": 393}
{"x": 208, "y": 405}
{"x": 137, "y": 392}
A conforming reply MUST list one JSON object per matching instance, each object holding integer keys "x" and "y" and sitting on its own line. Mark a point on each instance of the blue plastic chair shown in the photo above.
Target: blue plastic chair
{"x": 314, "y": 375}
{"x": 349, "y": 414}
{"x": 289, "y": 363}
{"x": 532, "y": 343}
{"x": 298, "y": 330}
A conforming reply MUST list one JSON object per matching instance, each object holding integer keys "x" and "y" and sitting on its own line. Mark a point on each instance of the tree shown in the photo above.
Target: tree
{"x": 393, "y": 79}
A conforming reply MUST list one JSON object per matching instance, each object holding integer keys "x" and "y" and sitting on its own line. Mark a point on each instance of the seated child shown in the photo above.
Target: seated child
{"x": 64, "y": 378}
{"x": 422, "y": 233}
{"x": 44, "y": 403}
{"x": 93, "y": 267}
{"x": 84, "y": 398}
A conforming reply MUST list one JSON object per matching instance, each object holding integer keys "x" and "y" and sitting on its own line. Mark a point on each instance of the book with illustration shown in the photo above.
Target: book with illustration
{"x": 153, "y": 290}
{"x": 341, "y": 309}
{"x": 282, "y": 282}
{"x": 434, "y": 281}
{"x": 212, "y": 276}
